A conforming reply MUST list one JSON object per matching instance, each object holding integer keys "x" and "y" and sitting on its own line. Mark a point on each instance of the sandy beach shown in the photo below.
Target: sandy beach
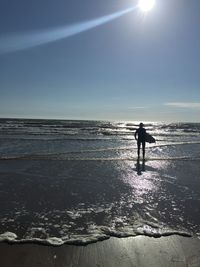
{"x": 173, "y": 251}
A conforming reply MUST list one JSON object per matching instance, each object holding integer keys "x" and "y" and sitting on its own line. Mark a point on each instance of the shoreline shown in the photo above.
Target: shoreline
{"x": 97, "y": 200}
{"x": 169, "y": 251}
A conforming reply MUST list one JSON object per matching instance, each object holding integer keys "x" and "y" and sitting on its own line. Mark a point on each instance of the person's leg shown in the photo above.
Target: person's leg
{"x": 143, "y": 149}
{"x": 138, "y": 151}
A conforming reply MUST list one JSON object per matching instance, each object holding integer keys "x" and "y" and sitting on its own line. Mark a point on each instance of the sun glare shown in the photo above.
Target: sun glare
{"x": 146, "y": 5}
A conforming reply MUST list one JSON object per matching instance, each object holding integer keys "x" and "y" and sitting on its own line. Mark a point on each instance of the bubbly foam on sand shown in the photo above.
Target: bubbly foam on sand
{"x": 95, "y": 233}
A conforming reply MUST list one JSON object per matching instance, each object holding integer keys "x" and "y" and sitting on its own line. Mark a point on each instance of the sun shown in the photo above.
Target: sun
{"x": 146, "y": 5}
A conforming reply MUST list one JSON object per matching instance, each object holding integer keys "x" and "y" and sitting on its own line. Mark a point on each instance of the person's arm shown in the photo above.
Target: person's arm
{"x": 136, "y": 135}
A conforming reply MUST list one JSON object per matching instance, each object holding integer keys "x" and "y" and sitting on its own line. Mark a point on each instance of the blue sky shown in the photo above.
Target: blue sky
{"x": 135, "y": 67}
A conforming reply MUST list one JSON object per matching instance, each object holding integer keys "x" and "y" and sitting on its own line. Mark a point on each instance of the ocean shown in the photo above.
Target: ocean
{"x": 67, "y": 181}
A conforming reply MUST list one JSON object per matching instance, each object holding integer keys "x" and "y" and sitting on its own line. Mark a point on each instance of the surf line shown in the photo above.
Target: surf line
{"x": 16, "y": 42}
{"x": 36, "y": 158}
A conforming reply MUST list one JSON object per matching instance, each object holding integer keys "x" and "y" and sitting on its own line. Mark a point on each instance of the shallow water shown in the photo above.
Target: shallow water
{"x": 74, "y": 181}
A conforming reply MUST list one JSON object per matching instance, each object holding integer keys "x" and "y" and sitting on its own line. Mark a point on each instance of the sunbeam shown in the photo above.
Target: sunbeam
{"x": 16, "y": 42}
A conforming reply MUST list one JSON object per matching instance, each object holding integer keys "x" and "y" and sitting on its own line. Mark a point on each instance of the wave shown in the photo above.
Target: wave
{"x": 66, "y": 158}
{"x": 178, "y": 143}
{"x": 56, "y": 138}
{"x": 151, "y": 146}
{"x": 96, "y": 150}
{"x": 99, "y": 233}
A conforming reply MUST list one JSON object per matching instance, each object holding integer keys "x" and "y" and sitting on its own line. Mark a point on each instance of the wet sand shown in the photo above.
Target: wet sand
{"x": 173, "y": 251}
{"x": 77, "y": 199}
{"x": 35, "y": 180}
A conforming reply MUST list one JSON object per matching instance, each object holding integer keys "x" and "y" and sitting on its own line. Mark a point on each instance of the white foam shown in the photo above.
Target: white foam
{"x": 97, "y": 233}
{"x": 8, "y": 236}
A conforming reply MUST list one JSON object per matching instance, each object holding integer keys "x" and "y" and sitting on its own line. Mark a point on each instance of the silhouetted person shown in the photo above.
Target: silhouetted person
{"x": 140, "y": 134}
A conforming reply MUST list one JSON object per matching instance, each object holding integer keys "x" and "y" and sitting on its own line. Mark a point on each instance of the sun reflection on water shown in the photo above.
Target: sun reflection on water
{"x": 141, "y": 182}
{"x": 143, "y": 176}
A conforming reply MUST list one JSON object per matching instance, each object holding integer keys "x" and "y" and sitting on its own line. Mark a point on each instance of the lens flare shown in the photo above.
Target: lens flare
{"x": 16, "y": 42}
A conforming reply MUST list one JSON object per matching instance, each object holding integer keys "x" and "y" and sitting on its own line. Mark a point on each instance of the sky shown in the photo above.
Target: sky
{"x": 136, "y": 66}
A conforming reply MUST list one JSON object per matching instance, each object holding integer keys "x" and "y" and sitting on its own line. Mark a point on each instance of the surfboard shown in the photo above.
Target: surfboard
{"x": 149, "y": 138}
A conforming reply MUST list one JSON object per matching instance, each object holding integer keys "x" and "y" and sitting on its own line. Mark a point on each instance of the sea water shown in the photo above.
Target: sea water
{"x": 77, "y": 182}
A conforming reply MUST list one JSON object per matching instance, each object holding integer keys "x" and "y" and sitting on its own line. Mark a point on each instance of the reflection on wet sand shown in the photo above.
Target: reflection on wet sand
{"x": 140, "y": 167}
